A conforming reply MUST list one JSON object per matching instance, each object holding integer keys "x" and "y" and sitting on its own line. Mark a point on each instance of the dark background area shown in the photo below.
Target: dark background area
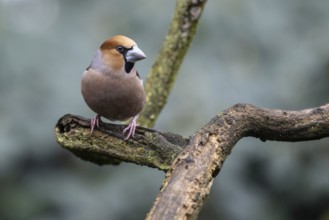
{"x": 270, "y": 53}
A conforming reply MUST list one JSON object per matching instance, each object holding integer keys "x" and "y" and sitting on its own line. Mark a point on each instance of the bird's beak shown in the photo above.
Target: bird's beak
{"x": 135, "y": 54}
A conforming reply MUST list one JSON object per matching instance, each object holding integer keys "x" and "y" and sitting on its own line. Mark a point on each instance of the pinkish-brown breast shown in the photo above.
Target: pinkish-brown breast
{"x": 113, "y": 96}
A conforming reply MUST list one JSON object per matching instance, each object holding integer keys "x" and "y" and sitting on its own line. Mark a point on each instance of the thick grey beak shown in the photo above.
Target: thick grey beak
{"x": 135, "y": 54}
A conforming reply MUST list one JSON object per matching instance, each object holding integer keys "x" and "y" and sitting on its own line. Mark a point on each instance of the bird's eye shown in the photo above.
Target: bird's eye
{"x": 120, "y": 49}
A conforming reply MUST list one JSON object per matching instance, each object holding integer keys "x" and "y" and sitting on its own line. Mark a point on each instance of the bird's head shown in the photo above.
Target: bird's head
{"x": 120, "y": 51}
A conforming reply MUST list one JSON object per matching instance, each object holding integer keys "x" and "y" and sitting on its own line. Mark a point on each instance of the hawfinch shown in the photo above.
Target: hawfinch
{"x": 111, "y": 86}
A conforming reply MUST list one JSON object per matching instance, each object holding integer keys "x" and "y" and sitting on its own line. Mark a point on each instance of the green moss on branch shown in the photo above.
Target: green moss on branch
{"x": 162, "y": 76}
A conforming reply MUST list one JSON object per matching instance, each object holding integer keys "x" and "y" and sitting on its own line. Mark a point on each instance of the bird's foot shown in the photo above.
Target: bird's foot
{"x": 94, "y": 122}
{"x": 130, "y": 128}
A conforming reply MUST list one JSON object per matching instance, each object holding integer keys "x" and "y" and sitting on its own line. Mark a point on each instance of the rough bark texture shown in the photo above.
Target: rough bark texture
{"x": 166, "y": 66}
{"x": 194, "y": 163}
{"x": 190, "y": 178}
{"x": 149, "y": 147}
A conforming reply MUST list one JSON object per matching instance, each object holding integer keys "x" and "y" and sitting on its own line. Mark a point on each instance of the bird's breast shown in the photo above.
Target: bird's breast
{"x": 114, "y": 97}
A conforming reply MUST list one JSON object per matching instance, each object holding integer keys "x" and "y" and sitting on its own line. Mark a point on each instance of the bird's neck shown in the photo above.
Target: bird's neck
{"x": 98, "y": 64}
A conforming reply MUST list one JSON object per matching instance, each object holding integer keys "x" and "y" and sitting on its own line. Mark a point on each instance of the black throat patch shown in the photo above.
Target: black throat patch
{"x": 129, "y": 66}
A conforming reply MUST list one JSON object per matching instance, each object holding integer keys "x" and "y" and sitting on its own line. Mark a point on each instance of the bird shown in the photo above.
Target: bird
{"x": 111, "y": 85}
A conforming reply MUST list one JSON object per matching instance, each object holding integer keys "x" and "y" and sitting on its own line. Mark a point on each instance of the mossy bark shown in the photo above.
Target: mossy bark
{"x": 163, "y": 73}
{"x": 191, "y": 164}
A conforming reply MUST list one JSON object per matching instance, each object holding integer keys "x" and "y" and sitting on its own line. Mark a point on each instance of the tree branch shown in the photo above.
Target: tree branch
{"x": 165, "y": 68}
{"x": 190, "y": 178}
{"x": 149, "y": 147}
{"x": 193, "y": 163}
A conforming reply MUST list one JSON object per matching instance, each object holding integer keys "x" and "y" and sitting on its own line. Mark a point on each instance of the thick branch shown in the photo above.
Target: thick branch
{"x": 149, "y": 147}
{"x": 193, "y": 163}
{"x": 190, "y": 178}
{"x": 165, "y": 68}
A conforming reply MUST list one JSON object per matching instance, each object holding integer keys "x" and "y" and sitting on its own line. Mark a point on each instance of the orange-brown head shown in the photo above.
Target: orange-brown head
{"x": 120, "y": 52}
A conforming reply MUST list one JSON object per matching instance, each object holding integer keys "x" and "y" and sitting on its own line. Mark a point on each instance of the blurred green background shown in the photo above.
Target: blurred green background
{"x": 270, "y": 53}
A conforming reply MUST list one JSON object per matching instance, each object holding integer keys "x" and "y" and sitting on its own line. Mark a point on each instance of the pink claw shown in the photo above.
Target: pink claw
{"x": 94, "y": 122}
{"x": 130, "y": 128}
